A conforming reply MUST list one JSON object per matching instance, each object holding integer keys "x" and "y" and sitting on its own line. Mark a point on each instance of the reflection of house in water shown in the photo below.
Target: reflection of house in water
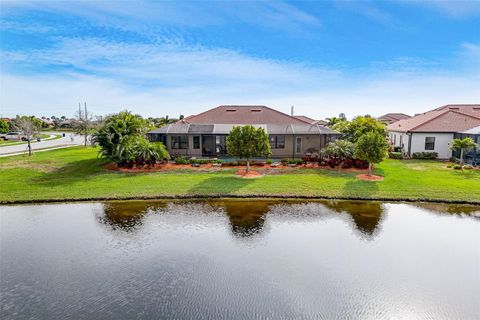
{"x": 127, "y": 215}
{"x": 247, "y": 217}
{"x": 365, "y": 214}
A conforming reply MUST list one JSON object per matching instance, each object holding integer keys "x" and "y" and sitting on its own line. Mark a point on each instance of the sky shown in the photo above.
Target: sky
{"x": 160, "y": 58}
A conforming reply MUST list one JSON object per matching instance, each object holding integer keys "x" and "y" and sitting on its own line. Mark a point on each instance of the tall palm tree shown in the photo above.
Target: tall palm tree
{"x": 463, "y": 145}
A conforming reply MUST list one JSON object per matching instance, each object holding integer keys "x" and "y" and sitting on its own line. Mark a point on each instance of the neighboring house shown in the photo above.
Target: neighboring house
{"x": 434, "y": 130}
{"x": 472, "y": 156}
{"x": 204, "y": 135}
{"x": 390, "y": 118}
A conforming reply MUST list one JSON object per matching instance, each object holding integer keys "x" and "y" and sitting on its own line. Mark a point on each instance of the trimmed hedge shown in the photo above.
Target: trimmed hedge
{"x": 425, "y": 155}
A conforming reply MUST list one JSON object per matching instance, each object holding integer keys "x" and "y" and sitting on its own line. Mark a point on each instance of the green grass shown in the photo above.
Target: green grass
{"x": 77, "y": 173}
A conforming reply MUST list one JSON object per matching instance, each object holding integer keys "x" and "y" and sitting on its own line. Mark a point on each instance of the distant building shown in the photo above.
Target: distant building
{"x": 433, "y": 131}
{"x": 393, "y": 117}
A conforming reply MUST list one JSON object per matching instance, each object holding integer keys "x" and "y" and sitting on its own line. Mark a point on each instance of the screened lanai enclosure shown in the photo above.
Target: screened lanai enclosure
{"x": 209, "y": 140}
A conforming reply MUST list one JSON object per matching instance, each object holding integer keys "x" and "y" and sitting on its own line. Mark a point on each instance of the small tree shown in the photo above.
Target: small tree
{"x": 464, "y": 145}
{"x": 4, "y": 126}
{"x": 353, "y": 130}
{"x": 371, "y": 147}
{"x": 247, "y": 142}
{"x": 28, "y": 127}
{"x": 84, "y": 123}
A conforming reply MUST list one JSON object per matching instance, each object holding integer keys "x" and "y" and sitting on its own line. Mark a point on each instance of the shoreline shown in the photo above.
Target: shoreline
{"x": 233, "y": 196}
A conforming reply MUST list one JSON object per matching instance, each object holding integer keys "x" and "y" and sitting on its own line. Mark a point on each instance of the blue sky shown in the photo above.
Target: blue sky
{"x": 158, "y": 58}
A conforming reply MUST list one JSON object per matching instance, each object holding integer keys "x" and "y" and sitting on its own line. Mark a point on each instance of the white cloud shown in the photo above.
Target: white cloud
{"x": 47, "y": 95}
{"x": 455, "y": 8}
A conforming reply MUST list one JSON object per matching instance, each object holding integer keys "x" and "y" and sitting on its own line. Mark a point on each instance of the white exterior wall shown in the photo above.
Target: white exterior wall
{"x": 442, "y": 143}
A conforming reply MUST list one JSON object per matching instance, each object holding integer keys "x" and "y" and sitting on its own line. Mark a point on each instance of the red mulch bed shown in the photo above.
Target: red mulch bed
{"x": 369, "y": 178}
{"x": 248, "y": 175}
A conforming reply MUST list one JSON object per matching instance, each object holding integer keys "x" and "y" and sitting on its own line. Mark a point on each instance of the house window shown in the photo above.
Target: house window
{"x": 277, "y": 142}
{"x": 196, "y": 142}
{"x": 429, "y": 143}
{"x": 179, "y": 142}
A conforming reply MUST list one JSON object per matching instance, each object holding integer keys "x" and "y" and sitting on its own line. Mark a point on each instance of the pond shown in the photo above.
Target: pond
{"x": 240, "y": 259}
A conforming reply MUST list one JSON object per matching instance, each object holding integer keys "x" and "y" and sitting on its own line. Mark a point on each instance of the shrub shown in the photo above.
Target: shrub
{"x": 295, "y": 161}
{"x": 200, "y": 161}
{"x": 181, "y": 160}
{"x": 287, "y": 161}
{"x": 269, "y": 161}
{"x": 395, "y": 155}
{"x": 425, "y": 155}
{"x": 457, "y": 167}
{"x": 467, "y": 167}
{"x": 449, "y": 165}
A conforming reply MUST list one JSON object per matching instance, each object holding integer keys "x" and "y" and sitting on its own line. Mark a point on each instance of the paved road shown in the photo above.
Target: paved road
{"x": 44, "y": 144}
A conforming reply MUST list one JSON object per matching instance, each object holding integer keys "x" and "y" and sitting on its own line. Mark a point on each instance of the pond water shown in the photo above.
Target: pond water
{"x": 240, "y": 259}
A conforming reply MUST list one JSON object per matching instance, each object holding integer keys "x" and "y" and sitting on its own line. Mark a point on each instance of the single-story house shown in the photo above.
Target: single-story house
{"x": 433, "y": 131}
{"x": 472, "y": 156}
{"x": 204, "y": 134}
{"x": 393, "y": 117}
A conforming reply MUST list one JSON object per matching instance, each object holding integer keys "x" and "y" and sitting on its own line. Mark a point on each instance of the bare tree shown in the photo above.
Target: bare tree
{"x": 83, "y": 123}
{"x": 29, "y": 128}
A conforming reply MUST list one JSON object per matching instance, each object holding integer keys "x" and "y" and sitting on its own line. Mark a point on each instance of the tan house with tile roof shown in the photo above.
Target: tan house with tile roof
{"x": 434, "y": 130}
{"x": 204, "y": 134}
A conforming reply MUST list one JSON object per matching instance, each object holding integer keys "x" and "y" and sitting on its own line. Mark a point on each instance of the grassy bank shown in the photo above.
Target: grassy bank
{"x": 77, "y": 173}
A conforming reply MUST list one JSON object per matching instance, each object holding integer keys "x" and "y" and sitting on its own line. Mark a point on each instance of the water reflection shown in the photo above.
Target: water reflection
{"x": 246, "y": 217}
{"x": 127, "y": 215}
{"x": 456, "y": 209}
{"x": 366, "y": 215}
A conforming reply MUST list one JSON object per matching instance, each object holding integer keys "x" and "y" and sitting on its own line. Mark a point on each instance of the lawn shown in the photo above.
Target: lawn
{"x": 77, "y": 173}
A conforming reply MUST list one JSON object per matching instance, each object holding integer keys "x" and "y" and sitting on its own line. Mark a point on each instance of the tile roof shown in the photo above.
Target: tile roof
{"x": 448, "y": 118}
{"x": 306, "y": 119}
{"x": 235, "y": 114}
{"x": 393, "y": 117}
{"x": 181, "y": 128}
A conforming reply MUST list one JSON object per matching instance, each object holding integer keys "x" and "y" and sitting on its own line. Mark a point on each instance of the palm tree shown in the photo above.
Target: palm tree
{"x": 332, "y": 121}
{"x": 463, "y": 145}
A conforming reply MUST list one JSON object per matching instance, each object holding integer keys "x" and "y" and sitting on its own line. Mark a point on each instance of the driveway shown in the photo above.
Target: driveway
{"x": 44, "y": 144}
